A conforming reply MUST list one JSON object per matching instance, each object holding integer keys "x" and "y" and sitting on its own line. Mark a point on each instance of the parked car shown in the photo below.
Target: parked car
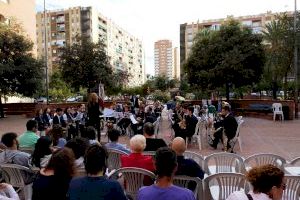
{"x": 75, "y": 99}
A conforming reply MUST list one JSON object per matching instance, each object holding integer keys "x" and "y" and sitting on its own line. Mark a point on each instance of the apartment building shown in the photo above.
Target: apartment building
{"x": 163, "y": 58}
{"x": 176, "y": 65}
{"x": 23, "y": 13}
{"x": 189, "y": 30}
{"x": 126, "y": 53}
{"x": 64, "y": 27}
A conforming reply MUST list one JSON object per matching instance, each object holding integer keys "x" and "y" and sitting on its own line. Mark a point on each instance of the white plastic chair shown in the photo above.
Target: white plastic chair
{"x": 220, "y": 186}
{"x": 134, "y": 179}
{"x": 114, "y": 159}
{"x": 293, "y": 167}
{"x": 224, "y": 162}
{"x": 292, "y": 190}
{"x": 198, "y": 135}
{"x": 277, "y": 110}
{"x": 237, "y": 137}
{"x": 13, "y": 174}
{"x": 196, "y": 157}
{"x": 238, "y": 118}
{"x": 186, "y": 181}
{"x": 263, "y": 159}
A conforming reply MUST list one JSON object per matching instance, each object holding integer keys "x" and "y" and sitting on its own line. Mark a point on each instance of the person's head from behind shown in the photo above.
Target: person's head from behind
{"x": 137, "y": 143}
{"x": 91, "y": 133}
{"x": 267, "y": 179}
{"x": 190, "y": 110}
{"x": 225, "y": 110}
{"x": 56, "y": 133}
{"x": 178, "y": 145}
{"x": 31, "y": 125}
{"x": 59, "y": 111}
{"x": 148, "y": 129}
{"x": 95, "y": 160}
{"x": 42, "y": 148}
{"x": 10, "y": 140}
{"x": 113, "y": 135}
{"x": 62, "y": 163}
{"x": 78, "y": 146}
{"x": 165, "y": 162}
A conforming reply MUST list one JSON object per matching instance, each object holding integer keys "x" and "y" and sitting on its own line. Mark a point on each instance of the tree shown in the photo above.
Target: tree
{"x": 59, "y": 90}
{"x": 279, "y": 37}
{"x": 85, "y": 64}
{"x": 19, "y": 71}
{"x": 232, "y": 57}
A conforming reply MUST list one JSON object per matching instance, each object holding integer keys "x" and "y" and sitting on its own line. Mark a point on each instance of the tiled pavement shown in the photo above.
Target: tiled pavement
{"x": 258, "y": 136}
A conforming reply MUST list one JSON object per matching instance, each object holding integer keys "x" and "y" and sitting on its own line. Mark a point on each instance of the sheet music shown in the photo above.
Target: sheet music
{"x": 133, "y": 120}
{"x": 108, "y": 112}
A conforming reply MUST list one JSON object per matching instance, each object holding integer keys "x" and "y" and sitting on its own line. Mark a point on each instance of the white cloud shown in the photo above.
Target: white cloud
{"x": 151, "y": 20}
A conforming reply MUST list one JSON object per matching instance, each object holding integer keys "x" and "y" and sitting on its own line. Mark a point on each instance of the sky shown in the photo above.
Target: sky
{"x": 152, "y": 20}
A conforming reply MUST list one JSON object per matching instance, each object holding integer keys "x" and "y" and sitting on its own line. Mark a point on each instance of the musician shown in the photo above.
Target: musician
{"x": 227, "y": 128}
{"x": 179, "y": 125}
{"x": 69, "y": 119}
{"x": 150, "y": 116}
{"x": 140, "y": 116}
{"x": 125, "y": 121}
{"x": 157, "y": 109}
{"x": 81, "y": 119}
{"x": 191, "y": 122}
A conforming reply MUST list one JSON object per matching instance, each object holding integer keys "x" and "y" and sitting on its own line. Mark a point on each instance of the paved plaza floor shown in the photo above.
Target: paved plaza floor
{"x": 258, "y": 136}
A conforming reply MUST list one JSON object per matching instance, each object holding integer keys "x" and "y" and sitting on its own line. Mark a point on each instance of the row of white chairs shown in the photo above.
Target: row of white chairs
{"x": 222, "y": 161}
{"x": 217, "y": 186}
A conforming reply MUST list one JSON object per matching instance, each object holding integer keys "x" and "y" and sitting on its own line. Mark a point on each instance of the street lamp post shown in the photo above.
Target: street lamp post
{"x": 46, "y": 52}
{"x": 296, "y": 61}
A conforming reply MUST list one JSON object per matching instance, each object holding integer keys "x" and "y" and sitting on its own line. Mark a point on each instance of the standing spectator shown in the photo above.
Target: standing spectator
{"x": 12, "y": 155}
{"x": 152, "y": 143}
{"x": 186, "y": 167}
{"x": 40, "y": 120}
{"x": 267, "y": 181}
{"x": 113, "y": 136}
{"x": 42, "y": 152}
{"x": 95, "y": 185}
{"x": 29, "y": 138}
{"x": 53, "y": 180}
{"x": 136, "y": 159}
{"x": 78, "y": 146}
{"x": 163, "y": 189}
{"x": 94, "y": 113}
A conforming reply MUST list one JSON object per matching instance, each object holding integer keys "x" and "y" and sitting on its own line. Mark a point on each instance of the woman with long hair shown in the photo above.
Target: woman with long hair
{"x": 56, "y": 134}
{"x": 94, "y": 112}
{"x": 53, "y": 180}
{"x": 42, "y": 152}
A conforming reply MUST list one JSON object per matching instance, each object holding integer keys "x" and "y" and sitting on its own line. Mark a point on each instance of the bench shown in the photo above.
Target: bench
{"x": 255, "y": 110}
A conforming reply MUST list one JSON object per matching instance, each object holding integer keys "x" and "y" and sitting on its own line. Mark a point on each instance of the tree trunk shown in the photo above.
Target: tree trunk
{"x": 274, "y": 89}
{"x": 227, "y": 91}
{"x": 285, "y": 87}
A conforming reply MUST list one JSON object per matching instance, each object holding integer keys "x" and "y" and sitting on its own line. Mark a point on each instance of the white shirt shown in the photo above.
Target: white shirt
{"x": 8, "y": 193}
{"x": 240, "y": 195}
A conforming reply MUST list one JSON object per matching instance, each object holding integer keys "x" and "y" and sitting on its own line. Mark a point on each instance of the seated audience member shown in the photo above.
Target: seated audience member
{"x": 113, "y": 136}
{"x": 136, "y": 159}
{"x": 95, "y": 185}
{"x": 56, "y": 134}
{"x": 163, "y": 189}
{"x": 29, "y": 138}
{"x": 7, "y": 192}
{"x": 152, "y": 143}
{"x": 11, "y": 155}
{"x": 267, "y": 181}
{"x": 42, "y": 152}
{"x": 91, "y": 135}
{"x": 78, "y": 146}
{"x": 53, "y": 180}
{"x": 185, "y": 166}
